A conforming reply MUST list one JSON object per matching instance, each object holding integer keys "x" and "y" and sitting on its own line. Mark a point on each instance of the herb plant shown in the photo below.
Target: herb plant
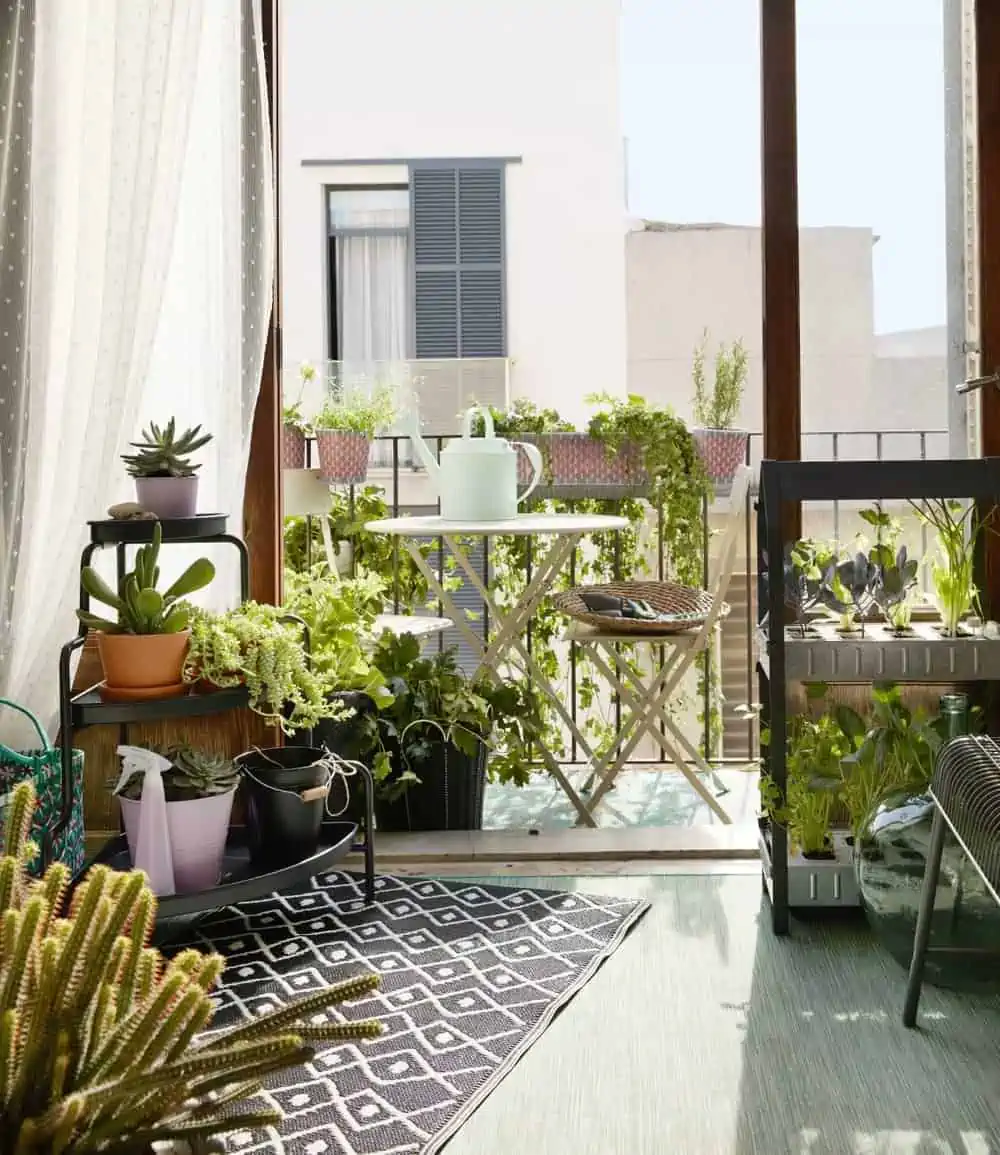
{"x": 958, "y": 526}
{"x": 357, "y": 408}
{"x": 719, "y": 406}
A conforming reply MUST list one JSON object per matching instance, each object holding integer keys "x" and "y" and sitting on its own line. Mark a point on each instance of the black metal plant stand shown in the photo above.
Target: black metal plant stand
{"x": 241, "y": 878}
{"x": 785, "y": 658}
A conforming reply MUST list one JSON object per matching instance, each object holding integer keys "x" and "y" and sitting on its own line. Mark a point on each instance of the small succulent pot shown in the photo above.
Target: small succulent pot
{"x": 722, "y": 451}
{"x": 343, "y": 456}
{"x": 293, "y": 447}
{"x": 579, "y": 459}
{"x": 198, "y": 830}
{"x": 142, "y": 667}
{"x": 168, "y": 497}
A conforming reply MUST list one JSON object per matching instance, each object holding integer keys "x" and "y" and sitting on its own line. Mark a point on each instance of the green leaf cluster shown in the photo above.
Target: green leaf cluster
{"x": 357, "y": 408}
{"x": 140, "y": 606}
{"x": 104, "y": 1045}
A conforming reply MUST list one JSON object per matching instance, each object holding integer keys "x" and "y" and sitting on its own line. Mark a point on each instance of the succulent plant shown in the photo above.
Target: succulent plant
{"x": 102, "y": 1044}
{"x": 193, "y": 774}
{"x": 164, "y": 453}
{"x": 141, "y": 608}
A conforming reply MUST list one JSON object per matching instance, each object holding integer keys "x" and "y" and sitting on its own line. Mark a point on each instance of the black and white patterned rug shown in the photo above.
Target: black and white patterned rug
{"x": 471, "y": 977}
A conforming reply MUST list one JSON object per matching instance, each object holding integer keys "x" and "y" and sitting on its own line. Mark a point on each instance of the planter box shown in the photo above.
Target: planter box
{"x": 579, "y": 459}
{"x": 921, "y": 654}
{"x": 817, "y": 882}
{"x": 449, "y": 797}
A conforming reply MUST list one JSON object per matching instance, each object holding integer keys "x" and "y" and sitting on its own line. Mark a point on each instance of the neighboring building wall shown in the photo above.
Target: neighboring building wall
{"x": 395, "y": 80}
{"x": 684, "y": 279}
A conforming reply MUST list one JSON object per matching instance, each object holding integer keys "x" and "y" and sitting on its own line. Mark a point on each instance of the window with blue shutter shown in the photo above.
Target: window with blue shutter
{"x": 458, "y": 259}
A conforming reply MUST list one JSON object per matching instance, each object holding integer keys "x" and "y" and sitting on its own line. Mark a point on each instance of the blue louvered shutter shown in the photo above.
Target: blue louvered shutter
{"x": 458, "y": 260}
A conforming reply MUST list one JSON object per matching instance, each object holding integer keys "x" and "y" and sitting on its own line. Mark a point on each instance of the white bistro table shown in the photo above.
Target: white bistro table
{"x": 506, "y": 644}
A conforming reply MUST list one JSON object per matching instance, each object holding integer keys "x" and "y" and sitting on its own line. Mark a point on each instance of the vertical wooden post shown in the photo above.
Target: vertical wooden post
{"x": 780, "y": 241}
{"x": 988, "y": 149}
{"x": 262, "y": 499}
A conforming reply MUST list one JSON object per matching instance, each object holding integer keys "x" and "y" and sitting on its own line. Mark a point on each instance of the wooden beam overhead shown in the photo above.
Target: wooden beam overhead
{"x": 782, "y": 422}
{"x": 262, "y": 499}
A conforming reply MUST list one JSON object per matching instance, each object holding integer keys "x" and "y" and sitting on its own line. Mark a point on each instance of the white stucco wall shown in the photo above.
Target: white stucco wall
{"x": 397, "y": 80}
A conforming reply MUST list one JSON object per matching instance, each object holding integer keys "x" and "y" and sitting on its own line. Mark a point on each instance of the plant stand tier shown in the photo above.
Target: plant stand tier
{"x": 113, "y": 531}
{"x": 88, "y": 708}
{"x": 815, "y": 882}
{"x": 242, "y": 880}
{"x": 922, "y": 654}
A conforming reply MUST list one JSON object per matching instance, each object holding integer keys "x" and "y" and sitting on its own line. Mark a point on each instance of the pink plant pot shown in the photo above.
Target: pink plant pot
{"x": 723, "y": 451}
{"x": 198, "y": 831}
{"x": 168, "y": 497}
{"x": 579, "y": 459}
{"x": 343, "y": 456}
{"x": 293, "y": 447}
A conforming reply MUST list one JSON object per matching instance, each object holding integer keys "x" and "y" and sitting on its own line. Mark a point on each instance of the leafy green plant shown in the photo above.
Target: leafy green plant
{"x": 193, "y": 774}
{"x": 357, "y": 408}
{"x": 958, "y": 526}
{"x": 104, "y": 1045}
{"x": 340, "y": 614}
{"x": 162, "y": 452}
{"x": 292, "y": 415}
{"x": 719, "y": 406}
{"x": 140, "y": 606}
{"x": 524, "y": 416}
{"x": 848, "y": 589}
{"x": 253, "y": 646}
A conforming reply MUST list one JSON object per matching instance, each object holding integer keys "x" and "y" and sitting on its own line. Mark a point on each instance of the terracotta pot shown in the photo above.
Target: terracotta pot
{"x": 293, "y": 447}
{"x": 579, "y": 459}
{"x": 168, "y": 497}
{"x": 343, "y": 456}
{"x": 722, "y": 450}
{"x": 139, "y": 666}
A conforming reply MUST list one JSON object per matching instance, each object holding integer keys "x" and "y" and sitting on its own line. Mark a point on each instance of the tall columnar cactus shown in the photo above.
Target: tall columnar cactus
{"x": 99, "y": 1035}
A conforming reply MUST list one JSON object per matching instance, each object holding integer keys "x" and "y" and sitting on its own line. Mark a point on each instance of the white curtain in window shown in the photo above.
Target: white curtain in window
{"x": 140, "y": 303}
{"x": 372, "y": 298}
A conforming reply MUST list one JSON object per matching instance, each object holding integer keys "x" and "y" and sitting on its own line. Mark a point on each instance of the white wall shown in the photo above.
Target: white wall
{"x": 398, "y": 80}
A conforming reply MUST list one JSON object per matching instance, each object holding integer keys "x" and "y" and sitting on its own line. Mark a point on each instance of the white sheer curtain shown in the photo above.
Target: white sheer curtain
{"x": 372, "y": 298}
{"x": 140, "y": 304}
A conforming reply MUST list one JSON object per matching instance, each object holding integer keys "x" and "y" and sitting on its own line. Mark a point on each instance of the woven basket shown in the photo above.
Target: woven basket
{"x": 690, "y": 606}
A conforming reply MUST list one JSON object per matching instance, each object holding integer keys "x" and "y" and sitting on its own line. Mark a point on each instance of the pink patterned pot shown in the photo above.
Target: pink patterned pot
{"x": 579, "y": 459}
{"x": 722, "y": 450}
{"x": 343, "y": 456}
{"x": 293, "y": 447}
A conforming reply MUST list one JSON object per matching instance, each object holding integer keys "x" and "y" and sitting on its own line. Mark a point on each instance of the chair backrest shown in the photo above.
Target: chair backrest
{"x": 734, "y": 532}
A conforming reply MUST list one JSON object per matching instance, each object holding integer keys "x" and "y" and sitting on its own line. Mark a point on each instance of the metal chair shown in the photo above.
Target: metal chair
{"x": 966, "y": 793}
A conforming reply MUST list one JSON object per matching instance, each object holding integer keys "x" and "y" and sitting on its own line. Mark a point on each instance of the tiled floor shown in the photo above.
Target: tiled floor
{"x": 641, "y": 797}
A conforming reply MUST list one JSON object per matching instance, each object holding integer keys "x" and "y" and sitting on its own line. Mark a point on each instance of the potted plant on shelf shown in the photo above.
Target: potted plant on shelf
{"x": 258, "y": 647}
{"x": 723, "y": 447}
{"x": 144, "y": 649}
{"x": 958, "y": 526}
{"x": 295, "y": 429}
{"x": 345, "y": 427}
{"x": 126, "y": 1034}
{"x": 166, "y": 482}
{"x": 198, "y": 789}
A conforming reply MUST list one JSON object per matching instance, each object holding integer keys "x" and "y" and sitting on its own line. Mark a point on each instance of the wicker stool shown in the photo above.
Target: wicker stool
{"x": 966, "y": 792}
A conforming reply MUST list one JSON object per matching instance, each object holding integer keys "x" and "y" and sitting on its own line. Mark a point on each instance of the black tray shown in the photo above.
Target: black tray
{"x": 109, "y": 531}
{"x": 241, "y": 880}
{"x": 88, "y": 709}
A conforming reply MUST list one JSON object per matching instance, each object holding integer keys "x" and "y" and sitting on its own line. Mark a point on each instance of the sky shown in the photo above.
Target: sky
{"x": 871, "y": 128}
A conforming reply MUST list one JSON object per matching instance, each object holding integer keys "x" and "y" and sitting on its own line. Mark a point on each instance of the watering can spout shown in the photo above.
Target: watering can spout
{"x": 427, "y": 458}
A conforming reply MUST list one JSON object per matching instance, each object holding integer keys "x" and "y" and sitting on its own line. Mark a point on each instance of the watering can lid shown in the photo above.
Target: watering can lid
{"x": 488, "y": 443}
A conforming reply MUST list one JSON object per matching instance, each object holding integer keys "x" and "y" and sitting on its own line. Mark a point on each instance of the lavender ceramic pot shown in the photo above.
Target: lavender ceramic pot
{"x": 198, "y": 830}
{"x": 168, "y": 497}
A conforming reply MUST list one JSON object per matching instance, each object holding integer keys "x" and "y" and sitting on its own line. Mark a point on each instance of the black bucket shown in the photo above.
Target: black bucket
{"x": 348, "y": 740}
{"x": 282, "y": 826}
{"x": 449, "y": 796}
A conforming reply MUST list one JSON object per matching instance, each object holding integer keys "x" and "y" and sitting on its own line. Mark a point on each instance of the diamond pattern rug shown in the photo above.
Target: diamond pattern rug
{"x": 471, "y": 977}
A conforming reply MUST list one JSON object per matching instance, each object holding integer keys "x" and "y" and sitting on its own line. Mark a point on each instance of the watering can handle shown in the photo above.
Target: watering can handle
{"x": 13, "y": 755}
{"x": 534, "y": 456}
{"x": 488, "y": 427}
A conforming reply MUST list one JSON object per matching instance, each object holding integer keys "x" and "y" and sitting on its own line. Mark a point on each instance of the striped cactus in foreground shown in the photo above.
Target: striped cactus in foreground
{"x": 100, "y": 1047}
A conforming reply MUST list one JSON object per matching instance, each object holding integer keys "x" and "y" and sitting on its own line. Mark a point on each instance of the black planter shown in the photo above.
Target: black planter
{"x": 449, "y": 797}
{"x": 282, "y": 828}
{"x": 347, "y": 740}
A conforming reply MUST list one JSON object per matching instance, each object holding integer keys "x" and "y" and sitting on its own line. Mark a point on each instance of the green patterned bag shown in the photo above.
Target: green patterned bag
{"x": 44, "y": 768}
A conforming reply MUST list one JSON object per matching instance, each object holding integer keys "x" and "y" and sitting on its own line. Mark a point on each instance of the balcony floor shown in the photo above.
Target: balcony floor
{"x": 705, "y": 1035}
{"x": 643, "y": 796}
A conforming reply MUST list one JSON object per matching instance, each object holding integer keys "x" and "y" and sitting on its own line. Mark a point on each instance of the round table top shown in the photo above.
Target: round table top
{"x": 524, "y": 525}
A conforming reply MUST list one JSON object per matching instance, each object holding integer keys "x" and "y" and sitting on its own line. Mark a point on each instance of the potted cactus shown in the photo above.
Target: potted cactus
{"x": 198, "y": 789}
{"x": 166, "y": 481}
{"x": 143, "y": 649}
{"x": 124, "y": 1035}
